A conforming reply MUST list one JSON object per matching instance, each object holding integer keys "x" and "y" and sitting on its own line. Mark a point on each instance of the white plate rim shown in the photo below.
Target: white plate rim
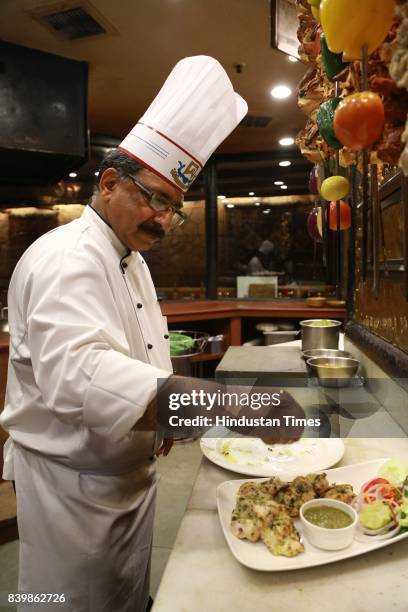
{"x": 251, "y": 471}
{"x": 327, "y": 557}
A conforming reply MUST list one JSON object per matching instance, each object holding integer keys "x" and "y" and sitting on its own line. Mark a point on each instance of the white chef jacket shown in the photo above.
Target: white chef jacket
{"x": 88, "y": 343}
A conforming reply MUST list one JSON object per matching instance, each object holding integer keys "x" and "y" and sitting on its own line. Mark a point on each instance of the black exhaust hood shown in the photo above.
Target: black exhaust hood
{"x": 43, "y": 115}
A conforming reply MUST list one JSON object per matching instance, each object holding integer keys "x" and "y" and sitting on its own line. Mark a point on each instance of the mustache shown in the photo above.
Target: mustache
{"x": 153, "y": 228}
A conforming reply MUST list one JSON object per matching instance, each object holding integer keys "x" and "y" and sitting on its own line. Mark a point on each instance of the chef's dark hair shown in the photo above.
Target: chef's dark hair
{"x": 121, "y": 161}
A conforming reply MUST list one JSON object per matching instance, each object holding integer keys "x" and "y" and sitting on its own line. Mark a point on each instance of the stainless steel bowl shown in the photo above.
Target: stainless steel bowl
{"x": 324, "y": 352}
{"x": 334, "y": 371}
{"x": 316, "y": 336}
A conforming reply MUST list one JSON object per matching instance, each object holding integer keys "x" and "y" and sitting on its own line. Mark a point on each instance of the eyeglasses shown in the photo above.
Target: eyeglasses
{"x": 159, "y": 204}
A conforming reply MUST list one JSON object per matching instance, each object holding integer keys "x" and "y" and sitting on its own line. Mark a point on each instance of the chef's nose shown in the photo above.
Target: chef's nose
{"x": 163, "y": 217}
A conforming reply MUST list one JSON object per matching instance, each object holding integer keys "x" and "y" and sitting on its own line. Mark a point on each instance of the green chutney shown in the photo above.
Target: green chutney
{"x": 328, "y": 517}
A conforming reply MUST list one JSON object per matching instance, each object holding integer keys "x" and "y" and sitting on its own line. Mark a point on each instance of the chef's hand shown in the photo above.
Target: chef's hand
{"x": 165, "y": 447}
{"x": 277, "y": 440}
{"x": 288, "y": 413}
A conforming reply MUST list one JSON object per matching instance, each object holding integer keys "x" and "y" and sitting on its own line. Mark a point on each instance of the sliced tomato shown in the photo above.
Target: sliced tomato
{"x": 373, "y": 482}
{"x": 380, "y": 488}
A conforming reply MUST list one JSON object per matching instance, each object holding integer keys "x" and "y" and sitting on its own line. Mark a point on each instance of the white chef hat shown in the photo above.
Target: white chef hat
{"x": 192, "y": 114}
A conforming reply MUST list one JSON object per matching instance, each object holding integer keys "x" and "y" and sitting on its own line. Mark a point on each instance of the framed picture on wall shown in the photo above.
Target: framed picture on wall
{"x": 284, "y": 25}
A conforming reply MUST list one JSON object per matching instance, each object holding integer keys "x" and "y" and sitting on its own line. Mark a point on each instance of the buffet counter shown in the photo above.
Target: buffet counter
{"x": 203, "y": 575}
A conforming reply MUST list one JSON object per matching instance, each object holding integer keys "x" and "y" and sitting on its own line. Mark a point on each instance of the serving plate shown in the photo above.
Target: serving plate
{"x": 250, "y": 456}
{"x": 256, "y": 555}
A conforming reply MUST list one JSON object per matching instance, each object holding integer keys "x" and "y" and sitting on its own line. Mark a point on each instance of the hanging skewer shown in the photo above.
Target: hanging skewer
{"x": 374, "y": 227}
{"x": 364, "y": 85}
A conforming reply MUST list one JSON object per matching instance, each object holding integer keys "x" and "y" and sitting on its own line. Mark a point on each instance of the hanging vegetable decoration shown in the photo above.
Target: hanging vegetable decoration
{"x": 313, "y": 226}
{"x": 359, "y": 120}
{"x": 334, "y": 188}
{"x": 351, "y": 24}
{"x": 314, "y": 180}
{"x": 332, "y": 62}
{"x": 324, "y": 118}
{"x": 315, "y": 8}
{"x": 345, "y": 216}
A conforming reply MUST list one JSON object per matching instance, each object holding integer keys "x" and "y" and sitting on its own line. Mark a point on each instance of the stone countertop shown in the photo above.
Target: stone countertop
{"x": 202, "y": 575}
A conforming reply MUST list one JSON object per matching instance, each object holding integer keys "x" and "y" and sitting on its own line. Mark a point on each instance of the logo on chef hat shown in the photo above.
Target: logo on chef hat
{"x": 185, "y": 173}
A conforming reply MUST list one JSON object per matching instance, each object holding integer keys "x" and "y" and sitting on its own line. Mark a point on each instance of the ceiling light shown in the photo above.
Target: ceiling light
{"x": 96, "y": 173}
{"x": 257, "y": 203}
{"x": 278, "y": 183}
{"x": 72, "y": 175}
{"x": 287, "y": 141}
{"x": 230, "y": 205}
{"x": 280, "y": 92}
{"x": 222, "y": 197}
{"x": 266, "y": 211}
{"x": 292, "y": 59}
{"x": 251, "y": 193}
{"x": 283, "y": 186}
{"x": 285, "y": 163}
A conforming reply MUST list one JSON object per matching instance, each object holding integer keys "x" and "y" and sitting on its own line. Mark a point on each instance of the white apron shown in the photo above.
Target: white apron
{"x": 87, "y": 345}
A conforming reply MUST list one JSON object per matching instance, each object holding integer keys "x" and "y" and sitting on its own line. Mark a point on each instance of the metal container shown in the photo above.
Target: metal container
{"x": 276, "y": 337}
{"x": 182, "y": 363}
{"x": 216, "y": 343}
{"x": 320, "y": 336}
{"x": 333, "y": 371}
{"x": 4, "y": 326}
{"x": 325, "y": 352}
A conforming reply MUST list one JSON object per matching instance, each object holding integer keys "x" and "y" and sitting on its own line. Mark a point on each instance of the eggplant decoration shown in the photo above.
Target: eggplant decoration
{"x": 313, "y": 225}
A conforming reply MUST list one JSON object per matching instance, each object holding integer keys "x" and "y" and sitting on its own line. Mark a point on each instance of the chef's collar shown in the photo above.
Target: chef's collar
{"x": 94, "y": 218}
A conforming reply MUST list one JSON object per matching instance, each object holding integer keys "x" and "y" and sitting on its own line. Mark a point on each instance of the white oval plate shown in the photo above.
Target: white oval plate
{"x": 252, "y": 457}
{"x": 256, "y": 556}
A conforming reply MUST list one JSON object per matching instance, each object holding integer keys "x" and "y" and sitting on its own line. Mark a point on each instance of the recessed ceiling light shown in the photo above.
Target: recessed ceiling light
{"x": 222, "y": 197}
{"x": 283, "y": 186}
{"x": 72, "y": 175}
{"x": 230, "y": 205}
{"x": 292, "y": 59}
{"x": 266, "y": 211}
{"x": 280, "y": 92}
{"x": 285, "y": 163}
{"x": 278, "y": 182}
{"x": 251, "y": 193}
{"x": 287, "y": 141}
{"x": 257, "y": 203}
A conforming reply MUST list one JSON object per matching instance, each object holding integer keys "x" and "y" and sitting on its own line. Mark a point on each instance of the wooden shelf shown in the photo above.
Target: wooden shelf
{"x": 207, "y": 356}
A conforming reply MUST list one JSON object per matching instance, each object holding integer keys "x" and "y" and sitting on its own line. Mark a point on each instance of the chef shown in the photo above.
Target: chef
{"x": 88, "y": 344}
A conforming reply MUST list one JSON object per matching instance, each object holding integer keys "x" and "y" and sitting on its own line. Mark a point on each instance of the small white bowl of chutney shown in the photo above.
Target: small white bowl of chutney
{"x": 328, "y": 523}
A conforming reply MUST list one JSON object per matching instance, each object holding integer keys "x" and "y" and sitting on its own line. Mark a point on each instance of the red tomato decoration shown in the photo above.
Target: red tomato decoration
{"x": 359, "y": 120}
{"x": 345, "y": 216}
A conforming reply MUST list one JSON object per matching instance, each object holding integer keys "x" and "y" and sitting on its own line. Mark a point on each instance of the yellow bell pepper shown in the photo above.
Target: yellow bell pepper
{"x": 350, "y": 24}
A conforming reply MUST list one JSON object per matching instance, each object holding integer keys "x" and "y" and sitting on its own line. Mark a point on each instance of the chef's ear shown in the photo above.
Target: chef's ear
{"x": 108, "y": 181}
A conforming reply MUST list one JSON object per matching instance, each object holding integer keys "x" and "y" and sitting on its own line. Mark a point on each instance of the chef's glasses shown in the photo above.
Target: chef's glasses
{"x": 160, "y": 204}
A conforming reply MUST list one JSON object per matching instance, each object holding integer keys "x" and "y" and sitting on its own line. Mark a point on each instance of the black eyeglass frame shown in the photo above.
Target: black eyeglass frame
{"x": 159, "y": 204}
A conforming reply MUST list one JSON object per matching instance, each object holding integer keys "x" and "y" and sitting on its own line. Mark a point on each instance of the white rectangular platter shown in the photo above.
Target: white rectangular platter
{"x": 256, "y": 555}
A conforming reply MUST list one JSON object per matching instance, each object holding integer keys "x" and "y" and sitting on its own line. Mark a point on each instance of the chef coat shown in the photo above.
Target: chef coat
{"x": 88, "y": 343}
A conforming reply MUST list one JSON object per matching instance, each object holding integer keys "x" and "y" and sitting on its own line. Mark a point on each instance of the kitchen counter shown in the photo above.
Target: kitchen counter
{"x": 202, "y": 574}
